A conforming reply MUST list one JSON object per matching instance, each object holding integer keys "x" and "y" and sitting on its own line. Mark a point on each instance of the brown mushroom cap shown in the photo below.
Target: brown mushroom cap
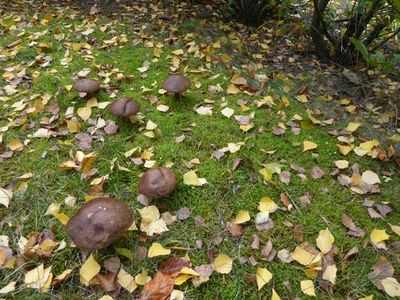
{"x": 99, "y": 223}
{"x": 176, "y": 84}
{"x": 157, "y": 183}
{"x": 86, "y": 85}
{"x": 124, "y": 107}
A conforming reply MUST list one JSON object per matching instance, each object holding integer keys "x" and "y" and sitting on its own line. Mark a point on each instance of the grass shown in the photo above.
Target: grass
{"x": 217, "y": 202}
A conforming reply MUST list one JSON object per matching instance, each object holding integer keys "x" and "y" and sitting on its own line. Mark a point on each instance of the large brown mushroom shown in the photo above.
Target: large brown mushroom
{"x": 99, "y": 223}
{"x": 124, "y": 107}
{"x": 157, "y": 183}
{"x": 87, "y": 86}
{"x": 176, "y": 84}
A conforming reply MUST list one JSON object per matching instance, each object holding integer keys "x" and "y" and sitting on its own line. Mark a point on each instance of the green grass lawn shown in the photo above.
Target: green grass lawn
{"x": 217, "y": 202}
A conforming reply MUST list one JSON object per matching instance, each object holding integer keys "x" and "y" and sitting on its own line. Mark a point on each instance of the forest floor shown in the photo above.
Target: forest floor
{"x": 292, "y": 151}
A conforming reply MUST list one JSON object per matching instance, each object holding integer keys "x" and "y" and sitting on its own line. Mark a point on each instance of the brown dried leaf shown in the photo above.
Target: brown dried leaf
{"x": 173, "y": 266}
{"x": 158, "y": 288}
{"x": 234, "y": 229}
{"x": 353, "y": 229}
{"x": 317, "y": 173}
{"x": 381, "y": 270}
{"x": 108, "y": 282}
{"x": 350, "y": 253}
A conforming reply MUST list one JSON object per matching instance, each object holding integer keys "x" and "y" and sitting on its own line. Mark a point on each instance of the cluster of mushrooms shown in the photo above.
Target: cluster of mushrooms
{"x": 102, "y": 221}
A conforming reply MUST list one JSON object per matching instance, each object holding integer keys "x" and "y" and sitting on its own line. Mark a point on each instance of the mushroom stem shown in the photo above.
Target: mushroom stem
{"x": 178, "y": 96}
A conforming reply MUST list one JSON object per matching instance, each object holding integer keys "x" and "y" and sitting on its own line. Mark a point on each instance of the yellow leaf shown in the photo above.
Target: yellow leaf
{"x": 344, "y": 149}
{"x": 84, "y": 112}
{"x": 308, "y": 145}
{"x": 176, "y": 295}
{"x": 267, "y": 205}
{"x": 370, "y": 297}
{"x": 10, "y": 287}
{"x": 302, "y": 98}
{"x": 396, "y": 229}
{"x": 232, "y": 90}
{"x": 267, "y": 174}
{"x": 370, "y": 177}
{"x": 227, "y": 112}
{"x": 190, "y": 178}
{"x": 302, "y": 256}
{"x": 325, "y": 241}
{"x": 89, "y": 270}
{"x": 367, "y": 146}
{"x": 38, "y": 278}
{"x": 225, "y": 58}
{"x": 73, "y": 125}
{"x": 5, "y": 197}
{"x": 126, "y": 280}
{"x": 15, "y": 145}
{"x": 378, "y": 235}
{"x": 242, "y": 217}
{"x": 342, "y": 164}
{"x": 352, "y": 126}
{"x": 307, "y": 287}
{"x": 275, "y": 295}
{"x": 330, "y": 274}
{"x": 142, "y": 278}
{"x": 263, "y": 276}
{"x": 149, "y": 214}
{"x": 182, "y": 278}
{"x": 391, "y": 286}
{"x": 223, "y": 264}
{"x": 156, "y": 249}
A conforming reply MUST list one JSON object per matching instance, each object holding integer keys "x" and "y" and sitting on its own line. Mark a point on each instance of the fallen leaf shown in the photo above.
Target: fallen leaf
{"x": 263, "y": 276}
{"x": 84, "y": 112}
{"x": 370, "y": 177}
{"x": 126, "y": 280}
{"x": 223, "y": 264}
{"x": 232, "y": 90}
{"x": 10, "y": 287}
{"x": 156, "y": 249}
{"x": 307, "y": 287}
{"x": 89, "y": 270}
{"x": 267, "y": 205}
{"x": 325, "y": 241}
{"x": 243, "y": 216}
{"x": 5, "y": 197}
{"x": 330, "y": 274}
{"x": 391, "y": 286}
{"x": 191, "y": 178}
{"x": 308, "y": 145}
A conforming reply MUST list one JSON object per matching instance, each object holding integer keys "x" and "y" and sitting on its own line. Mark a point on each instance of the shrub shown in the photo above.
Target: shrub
{"x": 364, "y": 24}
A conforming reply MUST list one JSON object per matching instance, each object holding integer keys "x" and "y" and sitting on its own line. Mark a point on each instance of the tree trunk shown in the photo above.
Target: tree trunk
{"x": 317, "y": 30}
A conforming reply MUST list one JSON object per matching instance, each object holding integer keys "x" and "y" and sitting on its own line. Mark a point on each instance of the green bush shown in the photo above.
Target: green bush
{"x": 361, "y": 25}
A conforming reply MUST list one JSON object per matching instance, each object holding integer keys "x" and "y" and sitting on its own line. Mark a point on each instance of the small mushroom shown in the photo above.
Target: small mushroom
{"x": 176, "y": 84}
{"x": 124, "y": 107}
{"x": 87, "y": 86}
{"x": 99, "y": 223}
{"x": 157, "y": 183}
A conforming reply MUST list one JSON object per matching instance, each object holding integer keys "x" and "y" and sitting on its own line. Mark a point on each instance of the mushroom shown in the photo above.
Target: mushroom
{"x": 176, "y": 84}
{"x": 157, "y": 183}
{"x": 124, "y": 107}
{"x": 99, "y": 223}
{"x": 86, "y": 86}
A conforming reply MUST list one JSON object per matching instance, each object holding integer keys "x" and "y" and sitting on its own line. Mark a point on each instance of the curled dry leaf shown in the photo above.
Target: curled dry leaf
{"x": 353, "y": 229}
{"x": 162, "y": 284}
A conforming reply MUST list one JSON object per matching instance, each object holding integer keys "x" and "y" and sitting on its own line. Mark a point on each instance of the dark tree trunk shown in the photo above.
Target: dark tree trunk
{"x": 317, "y": 30}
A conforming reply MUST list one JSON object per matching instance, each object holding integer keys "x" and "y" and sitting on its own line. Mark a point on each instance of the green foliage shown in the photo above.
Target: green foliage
{"x": 362, "y": 26}
{"x": 378, "y": 58}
